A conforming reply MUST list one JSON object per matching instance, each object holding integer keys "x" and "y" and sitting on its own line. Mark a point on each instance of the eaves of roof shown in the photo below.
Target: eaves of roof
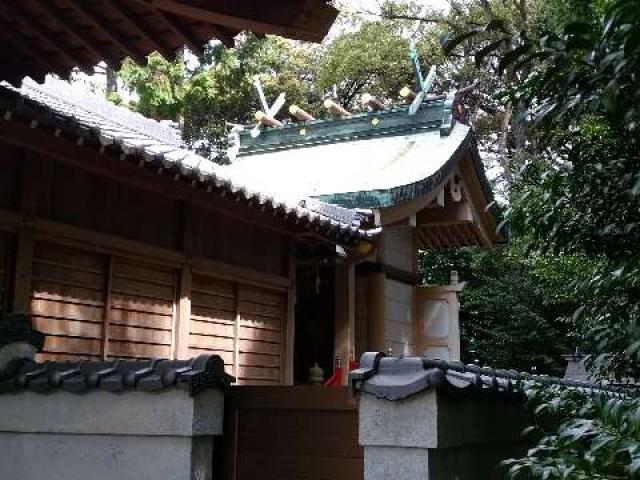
{"x": 153, "y": 145}
{"x": 403, "y": 193}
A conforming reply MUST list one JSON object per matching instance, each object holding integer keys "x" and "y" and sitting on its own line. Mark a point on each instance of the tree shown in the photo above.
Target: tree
{"x": 219, "y": 87}
{"x": 579, "y": 195}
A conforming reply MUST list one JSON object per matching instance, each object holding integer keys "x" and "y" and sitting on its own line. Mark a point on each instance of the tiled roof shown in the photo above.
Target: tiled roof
{"x": 205, "y": 371}
{"x": 395, "y": 378}
{"x": 369, "y": 160}
{"x": 71, "y": 110}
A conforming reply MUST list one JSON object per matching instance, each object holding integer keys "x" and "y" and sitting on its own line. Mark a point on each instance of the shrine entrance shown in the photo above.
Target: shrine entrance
{"x": 314, "y": 323}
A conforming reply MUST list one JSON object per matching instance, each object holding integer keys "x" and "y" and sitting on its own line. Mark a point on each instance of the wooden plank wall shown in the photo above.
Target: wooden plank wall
{"x": 242, "y": 324}
{"x": 213, "y": 318}
{"x": 68, "y": 301}
{"x": 301, "y": 432}
{"x": 95, "y": 305}
{"x": 142, "y": 310}
{"x": 106, "y": 270}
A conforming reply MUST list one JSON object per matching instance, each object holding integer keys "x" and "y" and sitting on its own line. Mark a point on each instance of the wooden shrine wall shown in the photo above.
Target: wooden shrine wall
{"x": 243, "y": 321}
{"x": 109, "y": 271}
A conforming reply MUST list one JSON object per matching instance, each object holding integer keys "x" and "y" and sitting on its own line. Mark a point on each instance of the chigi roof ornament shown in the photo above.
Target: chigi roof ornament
{"x": 423, "y": 84}
{"x": 266, "y": 116}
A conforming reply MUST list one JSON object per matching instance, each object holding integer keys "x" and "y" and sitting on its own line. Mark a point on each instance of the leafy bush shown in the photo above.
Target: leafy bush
{"x": 598, "y": 436}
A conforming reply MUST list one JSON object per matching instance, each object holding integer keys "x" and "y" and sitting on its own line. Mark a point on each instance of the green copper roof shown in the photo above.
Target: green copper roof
{"x": 432, "y": 115}
{"x": 371, "y": 160}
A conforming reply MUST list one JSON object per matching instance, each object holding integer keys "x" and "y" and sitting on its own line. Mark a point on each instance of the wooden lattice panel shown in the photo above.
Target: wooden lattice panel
{"x": 242, "y": 324}
{"x": 260, "y": 343}
{"x": 142, "y": 310}
{"x": 68, "y": 292}
{"x": 213, "y": 318}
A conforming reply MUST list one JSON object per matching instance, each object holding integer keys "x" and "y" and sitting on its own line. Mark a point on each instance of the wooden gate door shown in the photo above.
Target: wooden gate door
{"x": 291, "y": 433}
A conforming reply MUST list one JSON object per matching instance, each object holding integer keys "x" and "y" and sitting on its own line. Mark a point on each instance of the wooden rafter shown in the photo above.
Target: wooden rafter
{"x": 11, "y": 11}
{"x": 71, "y": 29}
{"x": 203, "y": 10}
{"x": 422, "y": 238}
{"x": 125, "y": 12}
{"x": 223, "y": 35}
{"x": 181, "y": 32}
{"x": 26, "y": 50}
{"x": 460, "y": 231}
{"x": 119, "y": 40}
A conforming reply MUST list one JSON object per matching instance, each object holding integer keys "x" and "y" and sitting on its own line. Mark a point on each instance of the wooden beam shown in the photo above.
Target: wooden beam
{"x": 345, "y": 320}
{"x": 23, "y": 270}
{"x": 182, "y": 33}
{"x": 106, "y": 318}
{"x": 26, "y": 242}
{"x": 236, "y": 332}
{"x": 289, "y": 329}
{"x": 376, "y": 314}
{"x": 453, "y": 213}
{"x": 109, "y": 244}
{"x": 141, "y": 30}
{"x": 478, "y": 201}
{"x": 203, "y": 10}
{"x": 402, "y": 211}
{"x": 71, "y": 29}
{"x": 10, "y": 11}
{"x": 183, "y": 314}
{"x": 182, "y": 325}
{"x": 92, "y": 18}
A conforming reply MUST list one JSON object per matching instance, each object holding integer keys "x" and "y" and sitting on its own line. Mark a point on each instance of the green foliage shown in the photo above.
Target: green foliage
{"x": 373, "y": 59}
{"x": 580, "y": 436}
{"x": 578, "y": 195}
{"x": 219, "y": 88}
{"x": 159, "y": 86}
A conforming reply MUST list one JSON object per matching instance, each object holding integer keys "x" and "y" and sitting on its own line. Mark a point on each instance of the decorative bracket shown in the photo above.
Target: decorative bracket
{"x": 447, "y": 118}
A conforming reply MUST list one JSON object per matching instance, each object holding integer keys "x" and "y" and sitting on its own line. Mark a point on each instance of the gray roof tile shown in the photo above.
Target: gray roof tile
{"x": 395, "y": 378}
{"x": 71, "y": 109}
{"x": 205, "y": 371}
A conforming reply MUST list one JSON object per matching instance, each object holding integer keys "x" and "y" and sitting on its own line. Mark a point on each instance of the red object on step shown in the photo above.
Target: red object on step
{"x": 336, "y": 379}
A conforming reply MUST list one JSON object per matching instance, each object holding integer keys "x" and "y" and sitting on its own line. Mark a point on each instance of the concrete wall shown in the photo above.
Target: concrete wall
{"x": 440, "y": 435}
{"x": 101, "y": 435}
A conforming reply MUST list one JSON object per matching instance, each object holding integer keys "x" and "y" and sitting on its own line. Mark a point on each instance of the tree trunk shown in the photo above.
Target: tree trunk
{"x": 505, "y": 158}
{"x": 112, "y": 80}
